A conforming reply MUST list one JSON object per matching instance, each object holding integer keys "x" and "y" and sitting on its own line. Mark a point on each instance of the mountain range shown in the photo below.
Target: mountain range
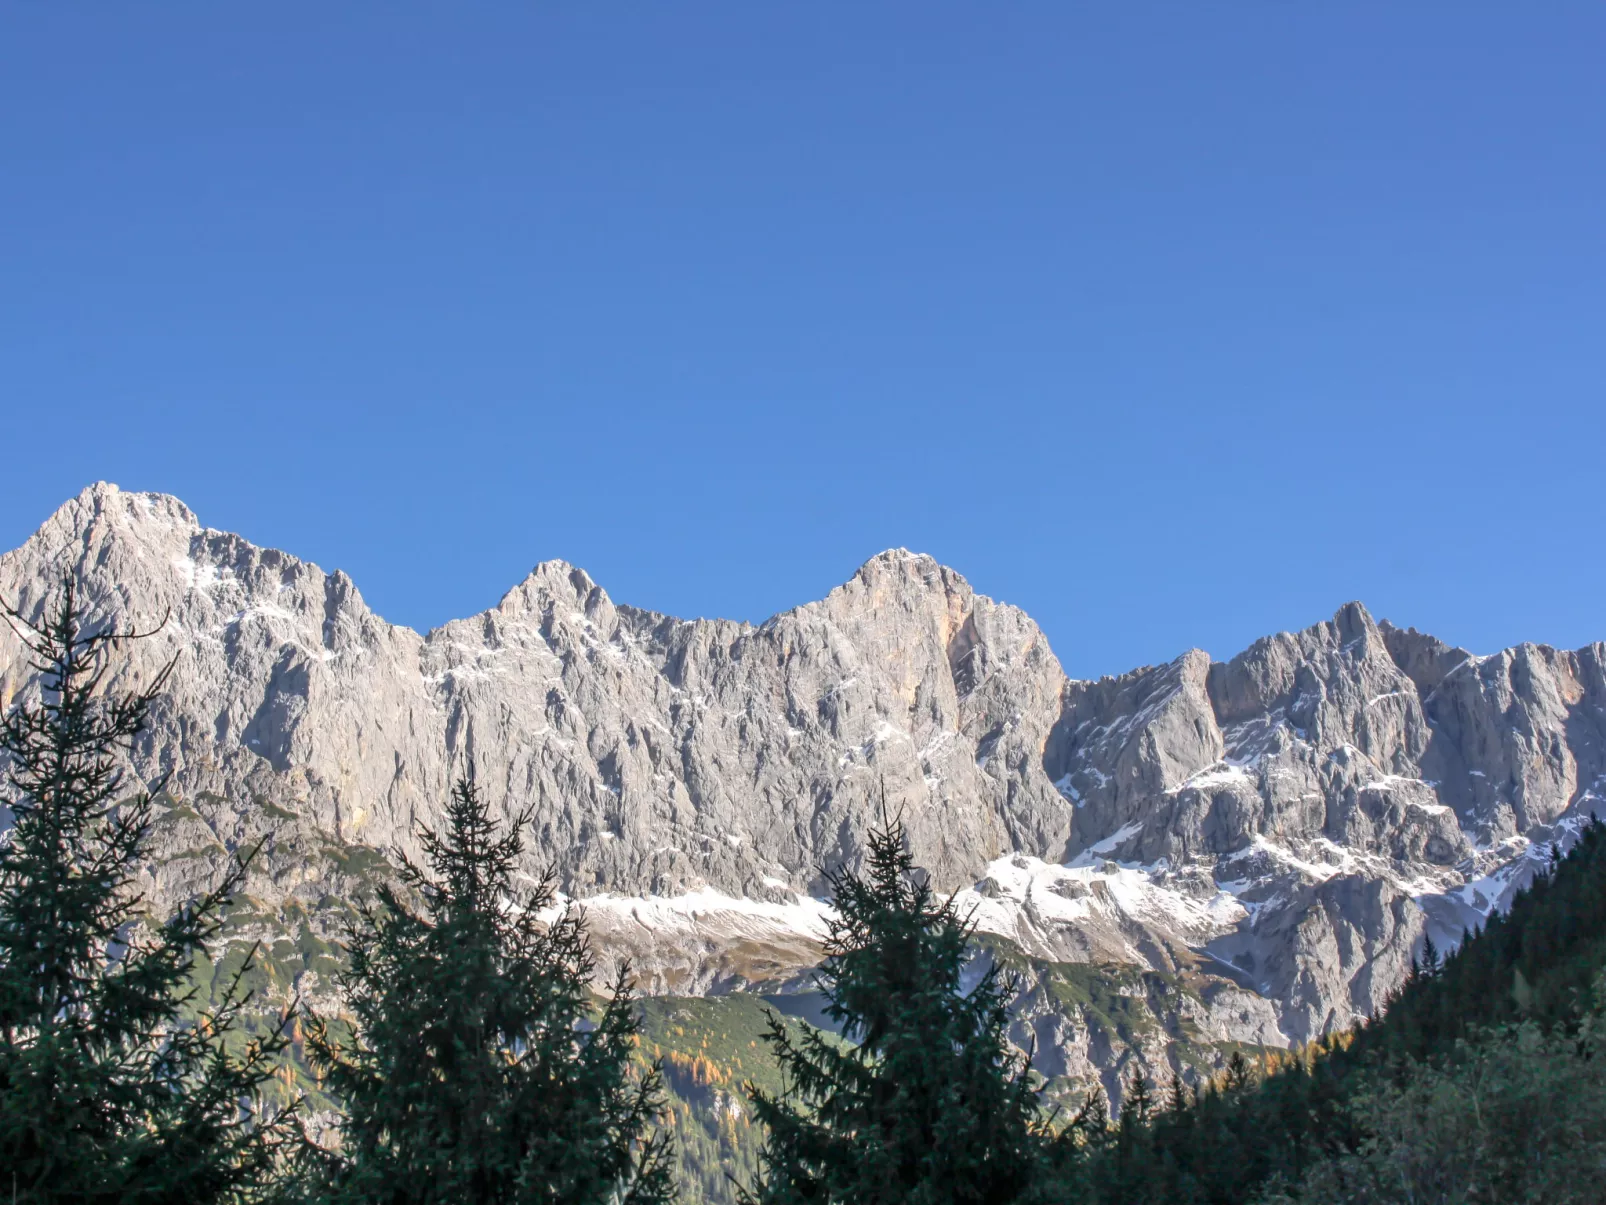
{"x": 1180, "y": 861}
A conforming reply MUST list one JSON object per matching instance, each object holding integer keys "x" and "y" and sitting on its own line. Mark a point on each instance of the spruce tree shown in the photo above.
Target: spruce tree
{"x": 1092, "y": 1120}
{"x": 1176, "y": 1095}
{"x": 1139, "y": 1101}
{"x": 924, "y": 1101}
{"x": 107, "y": 1092}
{"x": 474, "y": 1074}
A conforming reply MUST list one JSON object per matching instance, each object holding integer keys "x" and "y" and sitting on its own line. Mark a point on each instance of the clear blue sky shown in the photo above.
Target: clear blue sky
{"x": 1174, "y": 324}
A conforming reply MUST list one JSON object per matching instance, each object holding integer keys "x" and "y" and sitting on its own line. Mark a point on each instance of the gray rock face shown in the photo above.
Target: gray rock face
{"x": 1287, "y": 822}
{"x": 657, "y": 755}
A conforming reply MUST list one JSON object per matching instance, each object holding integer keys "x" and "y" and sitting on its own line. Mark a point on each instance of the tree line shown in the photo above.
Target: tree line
{"x": 475, "y": 1060}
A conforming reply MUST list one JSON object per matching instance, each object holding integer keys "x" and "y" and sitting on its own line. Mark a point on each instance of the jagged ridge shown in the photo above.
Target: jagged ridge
{"x": 1285, "y": 823}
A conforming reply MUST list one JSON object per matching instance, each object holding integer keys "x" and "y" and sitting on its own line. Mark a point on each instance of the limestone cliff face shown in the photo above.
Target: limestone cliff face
{"x": 658, "y": 755}
{"x": 1288, "y": 821}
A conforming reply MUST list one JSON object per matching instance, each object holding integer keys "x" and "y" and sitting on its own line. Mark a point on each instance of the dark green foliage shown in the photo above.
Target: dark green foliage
{"x": 108, "y": 1092}
{"x": 1516, "y": 1115}
{"x": 925, "y": 1102}
{"x": 1485, "y": 1059}
{"x": 475, "y": 1074}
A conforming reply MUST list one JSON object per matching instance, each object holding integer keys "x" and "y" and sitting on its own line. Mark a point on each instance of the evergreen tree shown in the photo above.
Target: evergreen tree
{"x": 474, "y": 1075}
{"x": 1139, "y": 1100}
{"x": 1430, "y": 956}
{"x": 1091, "y": 1125}
{"x": 1176, "y": 1094}
{"x": 1237, "y": 1074}
{"x": 924, "y": 1102}
{"x": 106, "y": 1093}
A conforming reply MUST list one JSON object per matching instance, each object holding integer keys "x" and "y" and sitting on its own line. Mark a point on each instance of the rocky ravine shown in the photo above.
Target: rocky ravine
{"x": 1253, "y": 848}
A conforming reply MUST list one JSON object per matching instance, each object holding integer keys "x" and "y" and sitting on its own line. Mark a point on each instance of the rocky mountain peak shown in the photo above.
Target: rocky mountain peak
{"x": 553, "y": 584}
{"x": 102, "y": 512}
{"x": 898, "y": 568}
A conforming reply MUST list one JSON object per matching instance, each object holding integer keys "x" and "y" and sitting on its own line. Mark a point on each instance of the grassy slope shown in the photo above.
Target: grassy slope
{"x": 710, "y": 1048}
